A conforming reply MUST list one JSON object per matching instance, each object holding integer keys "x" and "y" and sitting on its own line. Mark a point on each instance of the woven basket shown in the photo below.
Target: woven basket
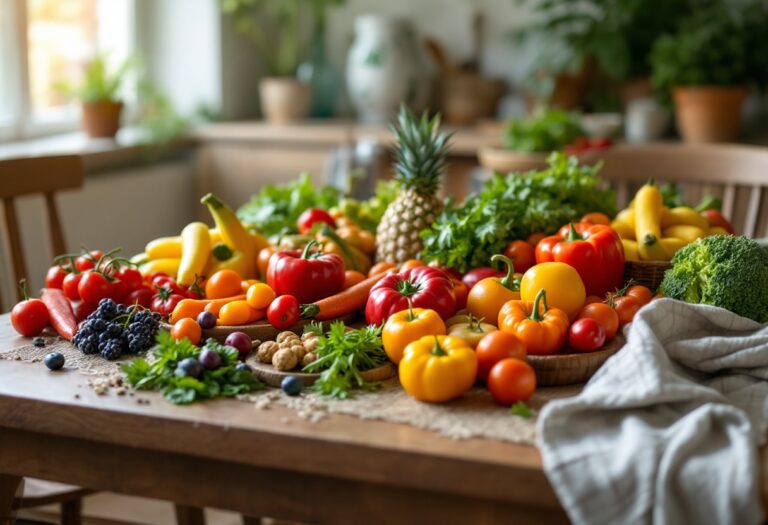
{"x": 570, "y": 369}
{"x": 647, "y": 273}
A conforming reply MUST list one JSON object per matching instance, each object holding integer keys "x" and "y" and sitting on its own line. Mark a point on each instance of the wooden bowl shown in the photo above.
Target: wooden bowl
{"x": 647, "y": 273}
{"x": 502, "y": 160}
{"x": 261, "y": 331}
{"x": 271, "y": 376}
{"x": 569, "y": 369}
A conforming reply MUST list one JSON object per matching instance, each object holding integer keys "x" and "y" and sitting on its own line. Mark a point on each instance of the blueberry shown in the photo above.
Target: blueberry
{"x": 206, "y": 320}
{"x": 291, "y": 385}
{"x": 243, "y": 366}
{"x": 189, "y": 367}
{"x": 54, "y": 360}
{"x": 38, "y": 342}
{"x": 210, "y": 359}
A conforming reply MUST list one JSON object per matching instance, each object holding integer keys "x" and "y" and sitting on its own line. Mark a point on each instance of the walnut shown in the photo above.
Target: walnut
{"x": 309, "y": 357}
{"x": 311, "y": 344}
{"x": 287, "y": 335}
{"x": 266, "y": 351}
{"x": 284, "y": 360}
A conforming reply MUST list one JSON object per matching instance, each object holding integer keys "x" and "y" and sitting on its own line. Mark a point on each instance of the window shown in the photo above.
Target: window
{"x": 47, "y": 43}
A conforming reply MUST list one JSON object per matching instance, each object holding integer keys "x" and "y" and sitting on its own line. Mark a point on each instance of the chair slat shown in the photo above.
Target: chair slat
{"x": 54, "y": 225}
{"x": 753, "y": 211}
{"x": 729, "y": 197}
{"x": 14, "y": 242}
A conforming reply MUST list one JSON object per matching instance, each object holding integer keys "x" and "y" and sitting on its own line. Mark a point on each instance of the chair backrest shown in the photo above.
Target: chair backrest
{"x": 36, "y": 175}
{"x": 737, "y": 174}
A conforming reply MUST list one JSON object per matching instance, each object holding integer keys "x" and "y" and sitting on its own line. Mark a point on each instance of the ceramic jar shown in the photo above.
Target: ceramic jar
{"x": 385, "y": 68}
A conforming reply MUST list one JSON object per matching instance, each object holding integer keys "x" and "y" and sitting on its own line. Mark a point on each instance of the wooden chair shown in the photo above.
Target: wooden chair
{"x": 37, "y": 175}
{"x": 738, "y": 174}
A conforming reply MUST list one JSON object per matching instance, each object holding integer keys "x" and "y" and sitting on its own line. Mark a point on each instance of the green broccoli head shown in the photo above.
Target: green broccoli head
{"x": 723, "y": 270}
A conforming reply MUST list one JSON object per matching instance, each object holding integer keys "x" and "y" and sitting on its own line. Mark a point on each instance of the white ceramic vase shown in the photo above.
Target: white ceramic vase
{"x": 385, "y": 68}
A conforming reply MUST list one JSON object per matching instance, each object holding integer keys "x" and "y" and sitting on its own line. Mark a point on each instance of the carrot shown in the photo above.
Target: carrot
{"x": 60, "y": 310}
{"x": 215, "y": 305}
{"x": 344, "y": 302}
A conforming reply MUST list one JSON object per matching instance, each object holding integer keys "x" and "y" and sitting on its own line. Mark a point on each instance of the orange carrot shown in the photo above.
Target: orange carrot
{"x": 344, "y": 302}
{"x": 60, "y": 309}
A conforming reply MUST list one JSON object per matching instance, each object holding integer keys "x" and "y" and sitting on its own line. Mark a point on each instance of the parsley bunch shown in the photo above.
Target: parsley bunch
{"x": 512, "y": 207}
{"x": 342, "y": 355}
{"x": 159, "y": 373}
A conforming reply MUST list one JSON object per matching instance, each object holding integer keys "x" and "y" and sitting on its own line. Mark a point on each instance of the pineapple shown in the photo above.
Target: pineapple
{"x": 419, "y": 163}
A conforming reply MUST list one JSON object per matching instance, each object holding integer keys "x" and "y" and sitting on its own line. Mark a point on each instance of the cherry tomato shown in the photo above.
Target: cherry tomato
{"x": 596, "y": 218}
{"x": 535, "y": 238}
{"x": 70, "y": 284}
{"x": 522, "y": 253}
{"x": 311, "y": 216}
{"x": 187, "y": 328}
{"x": 30, "y": 317}
{"x": 131, "y": 277}
{"x": 593, "y": 299}
{"x": 604, "y": 315}
{"x": 716, "y": 218}
{"x": 82, "y": 309}
{"x": 600, "y": 143}
{"x": 224, "y": 283}
{"x": 141, "y": 296}
{"x": 586, "y": 335}
{"x": 460, "y": 292}
{"x": 55, "y": 277}
{"x": 164, "y": 281}
{"x": 88, "y": 261}
{"x": 494, "y": 347}
{"x": 94, "y": 287}
{"x": 164, "y": 301}
{"x": 119, "y": 291}
{"x": 259, "y": 296}
{"x": 262, "y": 261}
{"x": 641, "y": 293}
{"x": 626, "y": 308}
{"x": 412, "y": 263}
{"x": 283, "y": 312}
{"x": 511, "y": 380}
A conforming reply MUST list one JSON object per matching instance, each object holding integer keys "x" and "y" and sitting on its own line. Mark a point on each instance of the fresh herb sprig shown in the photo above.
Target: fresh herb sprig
{"x": 159, "y": 373}
{"x": 343, "y": 355}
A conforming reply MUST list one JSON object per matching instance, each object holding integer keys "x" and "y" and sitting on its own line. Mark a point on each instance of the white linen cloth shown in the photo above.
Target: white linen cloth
{"x": 667, "y": 431}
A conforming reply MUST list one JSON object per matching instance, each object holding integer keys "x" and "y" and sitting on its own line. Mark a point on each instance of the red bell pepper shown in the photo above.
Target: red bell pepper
{"x": 308, "y": 276}
{"x": 422, "y": 286}
{"x": 594, "y": 250}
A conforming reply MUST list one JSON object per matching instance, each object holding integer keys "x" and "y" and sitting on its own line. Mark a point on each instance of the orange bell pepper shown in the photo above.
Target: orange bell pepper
{"x": 404, "y": 327}
{"x": 438, "y": 368}
{"x": 542, "y": 331}
{"x": 486, "y": 298}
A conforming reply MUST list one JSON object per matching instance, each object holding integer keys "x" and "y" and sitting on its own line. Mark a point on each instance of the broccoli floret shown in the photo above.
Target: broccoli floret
{"x": 723, "y": 270}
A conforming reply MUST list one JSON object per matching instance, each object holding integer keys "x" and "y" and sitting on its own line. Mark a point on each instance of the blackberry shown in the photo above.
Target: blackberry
{"x": 112, "y": 349}
{"x": 107, "y": 309}
{"x": 113, "y": 329}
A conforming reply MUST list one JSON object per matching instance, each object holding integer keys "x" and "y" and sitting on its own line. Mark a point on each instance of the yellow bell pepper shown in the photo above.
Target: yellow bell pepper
{"x": 565, "y": 289}
{"x": 164, "y": 248}
{"x": 196, "y": 248}
{"x": 438, "y": 368}
{"x": 233, "y": 234}
{"x": 223, "y": 258}
{"x": 472, "y": 331}
{"x": 406, "y": 326}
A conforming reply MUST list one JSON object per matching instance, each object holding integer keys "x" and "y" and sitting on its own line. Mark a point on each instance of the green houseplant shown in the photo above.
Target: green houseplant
{"x": 281, "y": 31}
{"x": 99, "y": 93}
{"x": 706, "y": 66}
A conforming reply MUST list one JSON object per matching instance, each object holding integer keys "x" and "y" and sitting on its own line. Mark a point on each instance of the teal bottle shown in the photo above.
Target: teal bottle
{"x": 319, "y": 73}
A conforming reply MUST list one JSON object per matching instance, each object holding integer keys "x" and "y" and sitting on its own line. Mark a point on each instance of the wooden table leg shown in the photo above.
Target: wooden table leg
{"x": 186, "y": 515}
{"x": 11, "y": 488}
{"x": 71, "y": 512}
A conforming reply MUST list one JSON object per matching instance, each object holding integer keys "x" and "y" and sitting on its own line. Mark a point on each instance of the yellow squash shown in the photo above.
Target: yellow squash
{"x": 627, "y": 216}
{"x": 164, "y": 248}
{"x": 630, "y": 250}
{"x": 648, "y": 206}
{"x": 671, "y": 245}
{"x": 683, "y": 215}
{"x": 624, "y": 230}
{"x": 196, "y": 248}
{"x": 168, "y": 266}
{"x": 685, "y": 232}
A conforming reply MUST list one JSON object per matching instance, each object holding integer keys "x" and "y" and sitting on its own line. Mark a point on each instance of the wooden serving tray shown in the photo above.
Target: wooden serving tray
{"x": 569, "y": 369}
{"x": 261, "y": 331}
{"x": 273, "y": 377}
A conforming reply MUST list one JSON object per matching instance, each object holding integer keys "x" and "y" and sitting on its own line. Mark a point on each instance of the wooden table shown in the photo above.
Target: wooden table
{"x": 228, "y": 454}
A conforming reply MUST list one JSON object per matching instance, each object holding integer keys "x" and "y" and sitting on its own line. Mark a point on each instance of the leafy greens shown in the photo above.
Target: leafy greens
{"x": 546, "y": 130}
{"x": 512, "y": 207}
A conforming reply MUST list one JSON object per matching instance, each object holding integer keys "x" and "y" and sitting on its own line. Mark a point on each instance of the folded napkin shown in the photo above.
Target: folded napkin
{"x": 667, "y": 431}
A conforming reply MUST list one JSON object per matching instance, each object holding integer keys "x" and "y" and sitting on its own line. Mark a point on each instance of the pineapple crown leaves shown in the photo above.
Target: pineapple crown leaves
{"x": 421, "y": 151}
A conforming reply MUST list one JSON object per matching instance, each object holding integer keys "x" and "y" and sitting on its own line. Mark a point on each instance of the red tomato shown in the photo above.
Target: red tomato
{"x": 82, "y": 309}
{"x": 131, "y": 277}
{"x": 716, "y": 218}
{"x": 511, "y": 380}
{"x": 604, "y": 315}
{"x": 601, "y": 143}
{"x": 536, "y": 237}
{"x": 283, "y": 312}
{"x": 164, "y": 301}
{"x": 596, "y": 217}
{"x": 141, "y": 296}
{"x": 522, "y": 253}
{"x": 163, "y": 281}
{"x": 311, "y": 216}
{"x": 476, "y": 275}
{"x": 494, "y": 347}
{"x": 70, "y": 284}
{"x": 641, "y": 293}
{"x": 593, "y": 299}
{"x": 94, "y": 287}
{"x": 626, "y": 307}
{"x": 88, "y": 260}
{"x": 30, "y": 317}
{"x": 586, "y": 335}
{"x": 55, "y": 277}
{"x": 460, "y": 292}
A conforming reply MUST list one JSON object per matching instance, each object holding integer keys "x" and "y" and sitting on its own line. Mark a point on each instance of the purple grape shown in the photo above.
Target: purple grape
{"x": 241, "y": 342}
{"x": 210, "y": 359}
{"x": 189, "y": 367}
{"x": 206, "y": 320}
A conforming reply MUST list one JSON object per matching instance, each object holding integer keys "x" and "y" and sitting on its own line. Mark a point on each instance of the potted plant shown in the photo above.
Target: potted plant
{"x": 282, "y": 31}
{"x": 528, "y": 141}
{"x": 99, "y": 93}
{"x": 705, "y": 67}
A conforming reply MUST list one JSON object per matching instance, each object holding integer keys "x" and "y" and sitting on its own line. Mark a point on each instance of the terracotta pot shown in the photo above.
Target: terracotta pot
{"x": 284, "y": 99}
{"x": 568, "y": 90}
{"x": 102, "y": 119}
{"x": 709, "y": 113}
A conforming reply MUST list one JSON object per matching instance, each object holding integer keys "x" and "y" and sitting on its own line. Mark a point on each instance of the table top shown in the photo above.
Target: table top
{"x": 60, "y": 403}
